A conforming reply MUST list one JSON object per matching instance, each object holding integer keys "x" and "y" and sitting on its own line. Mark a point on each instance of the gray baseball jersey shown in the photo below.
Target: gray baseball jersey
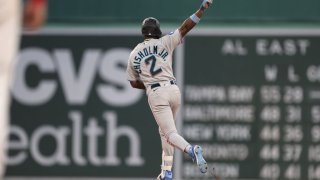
{"x": 151, "y": 60}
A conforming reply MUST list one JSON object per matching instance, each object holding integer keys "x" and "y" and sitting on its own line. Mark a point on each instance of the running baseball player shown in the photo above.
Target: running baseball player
{"x": 150, "y": 68}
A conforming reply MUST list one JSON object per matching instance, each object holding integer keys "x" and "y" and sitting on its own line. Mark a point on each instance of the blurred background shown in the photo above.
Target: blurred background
{"x": 249, "y": 74}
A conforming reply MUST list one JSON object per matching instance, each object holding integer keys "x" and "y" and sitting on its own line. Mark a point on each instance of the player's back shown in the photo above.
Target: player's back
{"x": 155, "y": 61}
{"x": 152, "y": 59}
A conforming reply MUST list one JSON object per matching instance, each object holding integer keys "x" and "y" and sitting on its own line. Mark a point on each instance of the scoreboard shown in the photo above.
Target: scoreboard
{"x": 253, "y": 103}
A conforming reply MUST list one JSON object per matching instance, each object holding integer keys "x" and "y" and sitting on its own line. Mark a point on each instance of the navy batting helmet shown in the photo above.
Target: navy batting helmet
{"x": 151, "y": 27}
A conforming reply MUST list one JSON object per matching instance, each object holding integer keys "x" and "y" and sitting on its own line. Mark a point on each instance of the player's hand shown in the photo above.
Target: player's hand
{"x": 205, "y": 4}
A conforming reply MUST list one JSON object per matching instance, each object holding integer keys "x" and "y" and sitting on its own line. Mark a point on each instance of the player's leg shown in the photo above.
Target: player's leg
{"x": 194, "y": 151}
{"x": 164, "y": 117}
{"x": 9, "y": 35}
{"x": 161, "y": 102}
{"x": 167, "y": 148}
{"x": 167, "y": 157}
{"x": 160, "y": 107}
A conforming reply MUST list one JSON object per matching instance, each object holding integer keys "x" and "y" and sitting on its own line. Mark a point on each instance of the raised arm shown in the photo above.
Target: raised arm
{"x": 189, "y": 23}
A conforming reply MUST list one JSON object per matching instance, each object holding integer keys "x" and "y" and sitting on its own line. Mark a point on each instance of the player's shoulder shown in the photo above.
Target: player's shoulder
{"x": 133, "y": 52}
{"x": 138, "y": 46}
{"x": 172, "y": 34}
{"x": 135, "y": 49}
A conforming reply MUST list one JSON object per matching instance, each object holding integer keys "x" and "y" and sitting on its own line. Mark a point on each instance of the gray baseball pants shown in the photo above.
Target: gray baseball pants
{"x": 164, "y": 102}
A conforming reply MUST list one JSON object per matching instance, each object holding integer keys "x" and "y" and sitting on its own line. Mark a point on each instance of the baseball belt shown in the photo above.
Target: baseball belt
{"x": 158, "y": 84}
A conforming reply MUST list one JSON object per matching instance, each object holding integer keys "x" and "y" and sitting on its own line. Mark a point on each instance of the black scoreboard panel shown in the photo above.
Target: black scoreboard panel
{"x": 253, "y": 103}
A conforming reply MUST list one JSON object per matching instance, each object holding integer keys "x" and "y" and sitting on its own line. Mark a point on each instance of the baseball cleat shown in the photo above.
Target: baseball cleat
{"x": 167, "y": 176}
{"x": 195, "y": 152}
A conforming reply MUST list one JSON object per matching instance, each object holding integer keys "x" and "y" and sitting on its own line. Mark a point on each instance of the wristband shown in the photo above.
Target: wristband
{"x": 195, "y": 18}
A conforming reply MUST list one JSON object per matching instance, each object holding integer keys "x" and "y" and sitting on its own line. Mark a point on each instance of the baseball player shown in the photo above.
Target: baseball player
{"x": 150, "y": 68}
{"x": 10, "y": 15}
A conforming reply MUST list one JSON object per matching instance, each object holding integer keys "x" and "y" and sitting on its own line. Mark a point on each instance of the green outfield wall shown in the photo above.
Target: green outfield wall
{"x": 129, "y": 11}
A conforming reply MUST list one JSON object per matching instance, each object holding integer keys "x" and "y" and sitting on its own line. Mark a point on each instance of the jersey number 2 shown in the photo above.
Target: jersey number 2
{"x": 153, "y": 60}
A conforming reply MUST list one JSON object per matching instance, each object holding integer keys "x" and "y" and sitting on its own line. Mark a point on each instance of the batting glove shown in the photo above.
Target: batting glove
{"x": 205, "y": 4}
